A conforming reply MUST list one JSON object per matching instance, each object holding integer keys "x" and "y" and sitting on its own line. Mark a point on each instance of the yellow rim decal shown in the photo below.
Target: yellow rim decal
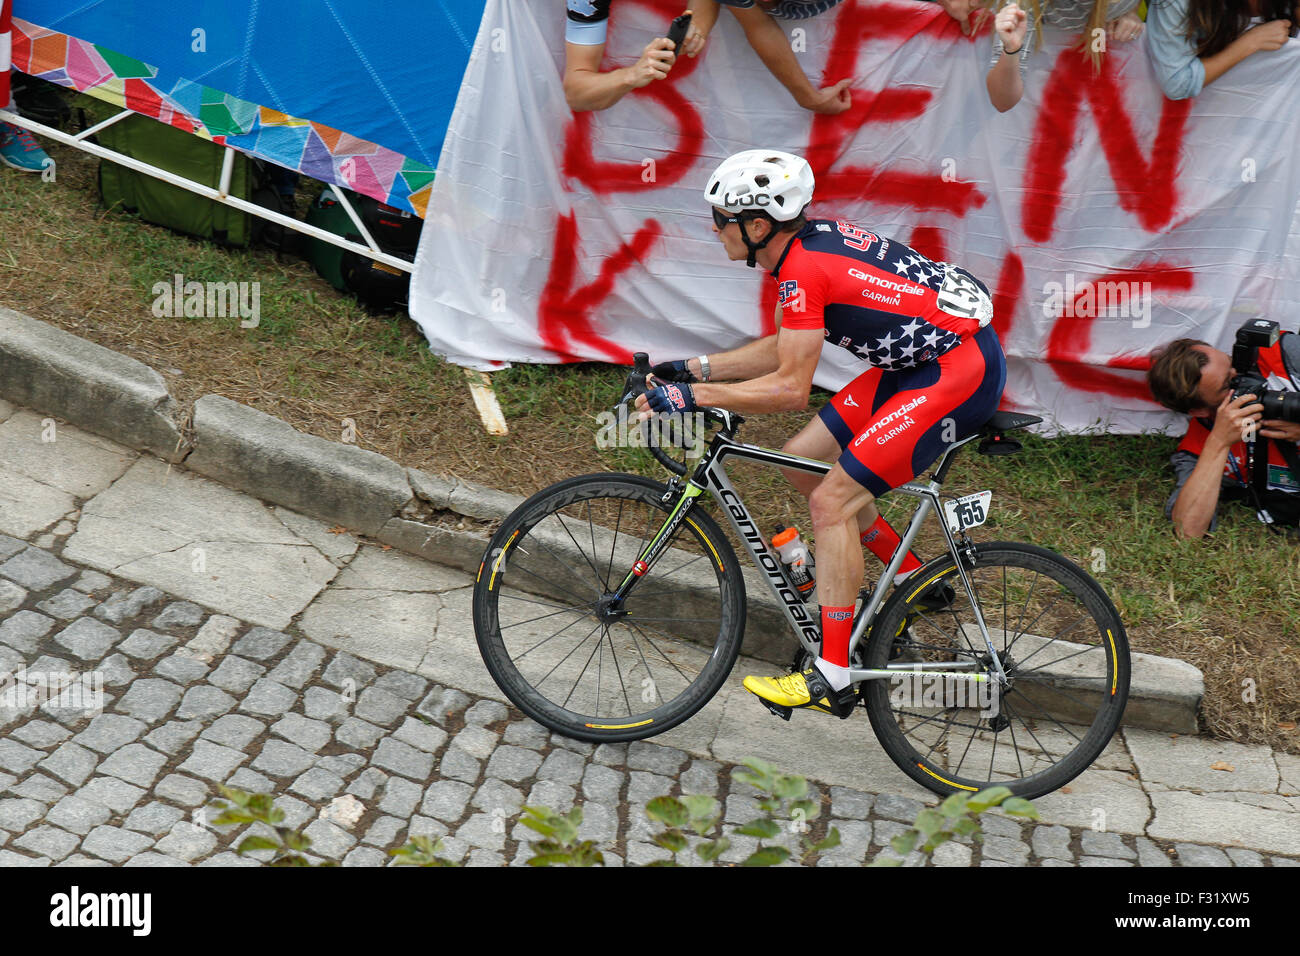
{"x": 926, "y": 584}
{"x": 618, "y": 726}
{"x": 496, "y": 565}
{"x": 1114, "y": 675}
{"x": 948, "y": 782}
{"x": 709, "y": 543}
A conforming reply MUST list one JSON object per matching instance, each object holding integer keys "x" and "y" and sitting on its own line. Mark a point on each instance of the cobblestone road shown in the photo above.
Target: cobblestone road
{"x": 361, "y": 755}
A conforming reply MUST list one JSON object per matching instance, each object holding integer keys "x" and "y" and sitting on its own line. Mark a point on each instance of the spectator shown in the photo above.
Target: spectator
{"x": 961, "y": 10}
{"x": 1011, "y": 43}
{"x": 1194, "y": 42}
{"x": 586, "y": 87}
{"x": 19, "y": 149}
{"x": 758, "y": 18}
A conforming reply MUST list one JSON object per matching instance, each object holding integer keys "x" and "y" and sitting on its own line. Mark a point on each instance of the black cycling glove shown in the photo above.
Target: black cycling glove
{"x": 673, "y": 372}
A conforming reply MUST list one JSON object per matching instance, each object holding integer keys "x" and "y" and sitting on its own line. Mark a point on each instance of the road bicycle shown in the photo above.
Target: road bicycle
{"x": 611, "y": 607}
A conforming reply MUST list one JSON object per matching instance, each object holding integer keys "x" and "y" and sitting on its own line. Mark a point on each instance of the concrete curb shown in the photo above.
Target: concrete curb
{"x": 256, "y": 453}
{"x": 49, "y": 370}
{"x": 447, "y": 521}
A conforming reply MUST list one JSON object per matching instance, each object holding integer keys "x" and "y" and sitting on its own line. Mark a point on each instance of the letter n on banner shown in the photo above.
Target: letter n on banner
{"x": 1144, "y": 187}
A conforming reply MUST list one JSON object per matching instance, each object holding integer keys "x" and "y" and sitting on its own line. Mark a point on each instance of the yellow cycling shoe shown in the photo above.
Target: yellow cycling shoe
{"x": 807, "y": 689}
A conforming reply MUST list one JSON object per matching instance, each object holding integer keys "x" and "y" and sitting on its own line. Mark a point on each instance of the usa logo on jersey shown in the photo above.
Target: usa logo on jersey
{"x": 787, "y": 290}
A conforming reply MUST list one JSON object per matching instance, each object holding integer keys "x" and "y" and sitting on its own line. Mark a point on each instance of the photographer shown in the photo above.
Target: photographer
{"x": 1262, "y": 403}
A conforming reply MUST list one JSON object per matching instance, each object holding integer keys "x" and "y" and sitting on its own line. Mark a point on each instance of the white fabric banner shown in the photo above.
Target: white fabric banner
{"x": 1105, "y": 218}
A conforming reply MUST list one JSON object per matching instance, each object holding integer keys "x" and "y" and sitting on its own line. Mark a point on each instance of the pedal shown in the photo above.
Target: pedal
{"x": 781, "y": 711}
{"x": 843, "y": 703}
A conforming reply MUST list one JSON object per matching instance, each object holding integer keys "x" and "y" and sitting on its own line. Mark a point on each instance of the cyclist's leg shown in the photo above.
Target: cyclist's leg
{"x": 815, "y": 440}
{"x": 825, "y": 685}
{"x": 826, "y": 436}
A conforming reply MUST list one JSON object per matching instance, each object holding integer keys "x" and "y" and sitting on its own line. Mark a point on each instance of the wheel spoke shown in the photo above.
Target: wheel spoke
{"x": 559, "y": 516}
{"x": 585, "y": 665}
{"x": 543, "y": 617}
{"x": 545, "y": 640}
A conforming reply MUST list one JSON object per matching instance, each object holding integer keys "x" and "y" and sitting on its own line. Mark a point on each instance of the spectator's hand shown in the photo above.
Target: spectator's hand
{"x": 1011, "y": 24}
{"x": 1281, "y": 430}
{"x": 693, "y": 45}
{"x": 1268, "y": 36}
{"x": 830, "y": 99}
{"x": 656, "y": 60}
{"x": 1125, "y": 28}
{"x": 960, "y": 10}
{"x": 1233, "y": 420}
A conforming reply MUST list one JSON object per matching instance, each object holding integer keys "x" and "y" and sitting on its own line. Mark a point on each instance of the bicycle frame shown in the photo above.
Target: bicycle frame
{"x": 711, "y": 474}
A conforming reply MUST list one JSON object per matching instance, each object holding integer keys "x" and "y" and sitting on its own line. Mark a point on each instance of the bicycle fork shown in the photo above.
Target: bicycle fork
{"x": 657, "y": 545}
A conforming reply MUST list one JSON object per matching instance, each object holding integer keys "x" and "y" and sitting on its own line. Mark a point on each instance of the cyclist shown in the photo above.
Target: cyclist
{"x": 932, "y": 372}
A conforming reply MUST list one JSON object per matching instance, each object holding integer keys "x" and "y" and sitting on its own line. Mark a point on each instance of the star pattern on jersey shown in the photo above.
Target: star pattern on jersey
{"x": 917, "y": 269}
{"x": 902, "y": 347}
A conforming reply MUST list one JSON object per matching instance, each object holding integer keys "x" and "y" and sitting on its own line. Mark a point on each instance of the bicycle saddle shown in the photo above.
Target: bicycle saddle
{"x": 995, "y": 442}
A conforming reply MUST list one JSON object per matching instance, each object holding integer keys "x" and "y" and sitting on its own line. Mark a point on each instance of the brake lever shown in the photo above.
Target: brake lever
{"x": 635, "y": 384}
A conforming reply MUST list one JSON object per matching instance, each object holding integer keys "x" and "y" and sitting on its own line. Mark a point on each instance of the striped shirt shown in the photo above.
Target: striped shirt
{"x": 1068, "y": 16}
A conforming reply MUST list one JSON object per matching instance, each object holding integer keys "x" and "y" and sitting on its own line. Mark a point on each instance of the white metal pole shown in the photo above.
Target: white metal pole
{"x": 206, "y": 191}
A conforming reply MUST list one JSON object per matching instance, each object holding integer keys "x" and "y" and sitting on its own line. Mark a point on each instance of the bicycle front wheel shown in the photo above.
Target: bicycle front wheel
{"x": 581, "y": 665}
{"x": 945, "y": 722}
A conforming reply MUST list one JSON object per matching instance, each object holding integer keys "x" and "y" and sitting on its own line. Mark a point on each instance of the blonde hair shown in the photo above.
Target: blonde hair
{"x": 1096, "y": 21}
{"x": 1035, "y": 10}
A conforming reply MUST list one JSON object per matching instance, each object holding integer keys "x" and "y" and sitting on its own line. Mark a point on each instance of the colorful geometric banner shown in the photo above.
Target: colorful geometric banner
{"x": 321, "y": 152}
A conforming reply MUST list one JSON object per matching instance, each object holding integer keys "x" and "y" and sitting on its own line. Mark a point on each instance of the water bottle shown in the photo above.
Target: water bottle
{"x": 797, "y": 560}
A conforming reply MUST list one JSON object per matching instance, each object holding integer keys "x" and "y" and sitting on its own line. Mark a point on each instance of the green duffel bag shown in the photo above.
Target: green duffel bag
{"x": 191, "y": 157}
{"x": 396, "y": 232}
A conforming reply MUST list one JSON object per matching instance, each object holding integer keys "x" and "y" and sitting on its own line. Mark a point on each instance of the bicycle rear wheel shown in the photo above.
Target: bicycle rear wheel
{"x": 1065, "y": 653}
{"x": 577, "y": 664}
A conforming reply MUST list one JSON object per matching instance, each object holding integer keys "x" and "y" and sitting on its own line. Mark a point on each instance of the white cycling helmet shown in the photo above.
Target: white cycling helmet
{"x": 765, "y": 180}
{"x": 762, "y": 181}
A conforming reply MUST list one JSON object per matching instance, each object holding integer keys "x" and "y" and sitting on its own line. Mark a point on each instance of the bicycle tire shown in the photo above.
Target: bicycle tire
{"x": 1067, "y": 691}
{"x": 566, "y": 547}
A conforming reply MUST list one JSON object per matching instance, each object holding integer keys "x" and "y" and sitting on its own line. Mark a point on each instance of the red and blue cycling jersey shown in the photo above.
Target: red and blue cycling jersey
{"x": 935, "y": 370}
{"x": 881, "y": 300}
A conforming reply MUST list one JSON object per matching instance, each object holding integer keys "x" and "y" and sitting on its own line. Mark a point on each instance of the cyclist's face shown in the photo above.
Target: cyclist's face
{"x": 1216, "y": 376}
{"x": 727, "y": 228}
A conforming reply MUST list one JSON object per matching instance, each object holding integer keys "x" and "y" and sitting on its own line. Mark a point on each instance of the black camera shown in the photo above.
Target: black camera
{"x": 1280, "y": 405}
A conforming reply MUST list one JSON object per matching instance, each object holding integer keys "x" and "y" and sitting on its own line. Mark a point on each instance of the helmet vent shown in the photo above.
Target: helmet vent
{"x": 761, "y": 180}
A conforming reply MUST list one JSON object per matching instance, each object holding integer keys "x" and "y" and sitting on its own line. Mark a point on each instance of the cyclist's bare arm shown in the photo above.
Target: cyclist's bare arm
{"x": 784, "y": 388}
{"x": 749, "y": 361}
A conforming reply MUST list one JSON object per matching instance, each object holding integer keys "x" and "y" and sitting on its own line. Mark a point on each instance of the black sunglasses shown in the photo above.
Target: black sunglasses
{"x": 721, "y": 219}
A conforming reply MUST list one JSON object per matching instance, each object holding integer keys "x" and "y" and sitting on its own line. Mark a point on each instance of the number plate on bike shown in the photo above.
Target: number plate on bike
{"x": 968, "y": 512}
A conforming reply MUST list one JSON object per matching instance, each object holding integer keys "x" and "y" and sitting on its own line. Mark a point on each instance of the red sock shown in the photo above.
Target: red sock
{"x": 883, "y": 542}
{"x": 837, "y": 627}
